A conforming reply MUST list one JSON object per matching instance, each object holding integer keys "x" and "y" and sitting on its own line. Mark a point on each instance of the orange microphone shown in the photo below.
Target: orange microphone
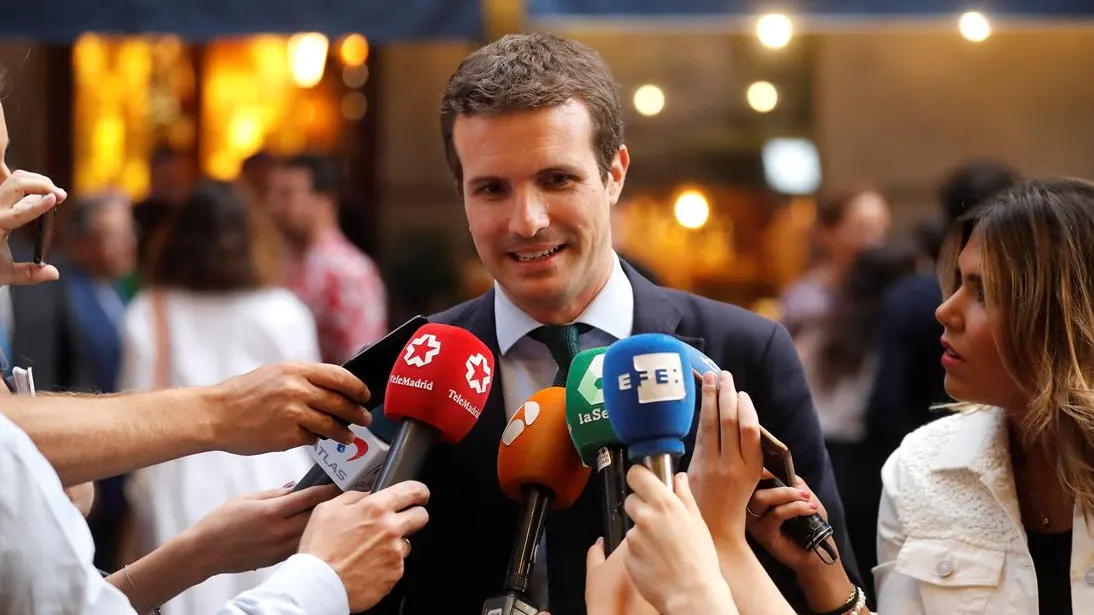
{"x": 539, "y": 467}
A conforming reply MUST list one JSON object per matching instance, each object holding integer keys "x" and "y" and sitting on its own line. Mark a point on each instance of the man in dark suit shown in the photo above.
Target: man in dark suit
{"x": 534, "y": 136}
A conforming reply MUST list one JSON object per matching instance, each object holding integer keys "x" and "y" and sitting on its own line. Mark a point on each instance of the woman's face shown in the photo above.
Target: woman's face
{"x": 971, "y": 357}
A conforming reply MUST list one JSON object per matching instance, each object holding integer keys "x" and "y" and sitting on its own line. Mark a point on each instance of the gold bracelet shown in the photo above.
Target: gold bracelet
{"x": 154, "y": 609}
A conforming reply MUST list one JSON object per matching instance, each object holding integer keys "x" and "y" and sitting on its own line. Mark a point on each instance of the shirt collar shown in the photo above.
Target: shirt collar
{"x": 611, "y": 311}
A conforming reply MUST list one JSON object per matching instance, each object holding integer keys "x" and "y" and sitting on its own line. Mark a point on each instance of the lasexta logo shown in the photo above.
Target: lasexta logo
{"x": 478, "y": 373}
{"x": 591, "y": 386}
{"x": 421, "y": 350}
{"x": 659, "y": 378}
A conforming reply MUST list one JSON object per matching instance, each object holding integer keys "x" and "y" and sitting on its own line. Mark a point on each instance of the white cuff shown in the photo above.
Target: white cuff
{"x": 312, "y": 583}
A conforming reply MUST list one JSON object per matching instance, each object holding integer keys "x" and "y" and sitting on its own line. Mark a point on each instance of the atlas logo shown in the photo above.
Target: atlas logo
{"x": 659, "y": 378}
{"x": 428, "y": 345}
{"x": 516, "y": 426}
{"x": 361, "y": 445}
{"x": 476, "y": 363}
{"x": 591, "y": 386}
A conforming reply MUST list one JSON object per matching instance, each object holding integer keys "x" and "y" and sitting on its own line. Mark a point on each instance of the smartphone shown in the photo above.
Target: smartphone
{"x": 44, "y": 239}
{"x": 777, "y": 459}
{"x": 373, "y": 364}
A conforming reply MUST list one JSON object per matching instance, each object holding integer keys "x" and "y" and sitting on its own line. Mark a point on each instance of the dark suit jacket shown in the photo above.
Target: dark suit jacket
{"x": 459, "y": 559}
{"x": 910, "y": 377}
{"x": 46, "y": 335}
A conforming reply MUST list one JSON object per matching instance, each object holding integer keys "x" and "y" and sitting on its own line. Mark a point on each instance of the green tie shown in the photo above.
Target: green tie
{"x": 561, "y": 340}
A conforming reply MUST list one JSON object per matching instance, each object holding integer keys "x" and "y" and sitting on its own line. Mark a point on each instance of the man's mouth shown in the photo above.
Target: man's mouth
{"x": 531, "y": 256}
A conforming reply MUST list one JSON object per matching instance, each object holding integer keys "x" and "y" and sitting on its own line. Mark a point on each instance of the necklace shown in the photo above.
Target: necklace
{"x": 1045, "y": 522}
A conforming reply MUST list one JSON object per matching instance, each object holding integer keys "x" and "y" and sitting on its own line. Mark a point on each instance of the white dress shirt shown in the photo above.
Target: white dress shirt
{"x": 527, "y": 365}
{"x": 950, "y": 534}
{"x": 213, "y": 337}
{"x": 46, "y": 553}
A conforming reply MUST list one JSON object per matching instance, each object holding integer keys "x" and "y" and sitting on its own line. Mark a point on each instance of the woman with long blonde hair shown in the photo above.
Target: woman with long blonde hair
{"x": 989, "y": 510}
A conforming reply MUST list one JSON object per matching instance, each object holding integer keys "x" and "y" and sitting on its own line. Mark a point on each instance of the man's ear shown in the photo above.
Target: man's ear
{"x": 617, "y": 174}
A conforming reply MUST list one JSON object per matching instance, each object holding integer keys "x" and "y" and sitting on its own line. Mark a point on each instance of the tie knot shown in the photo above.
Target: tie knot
{"x": 562, "y": 342}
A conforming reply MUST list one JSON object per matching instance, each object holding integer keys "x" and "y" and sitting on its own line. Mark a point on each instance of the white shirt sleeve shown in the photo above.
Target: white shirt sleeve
{"x": 302, "y": 585}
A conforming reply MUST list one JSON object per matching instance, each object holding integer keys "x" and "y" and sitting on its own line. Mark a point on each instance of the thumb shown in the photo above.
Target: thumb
{"x": 683, "y": 491}
{"x": 596, "y": 554}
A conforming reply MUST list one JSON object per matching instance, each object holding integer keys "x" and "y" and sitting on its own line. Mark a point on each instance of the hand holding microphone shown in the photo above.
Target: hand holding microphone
{"x": 538, "y": 467}
{"x": 596, "y": 442}
{"x": 672, "y": 559}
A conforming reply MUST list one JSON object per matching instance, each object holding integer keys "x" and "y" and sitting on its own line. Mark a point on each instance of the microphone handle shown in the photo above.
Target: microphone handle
{"x": 408, "y": 452}
{"x": 663, "y": 465}
{"x": 533, "y": 521}
{"x": 612, "y": 467}
{"x": 315, "y": 476}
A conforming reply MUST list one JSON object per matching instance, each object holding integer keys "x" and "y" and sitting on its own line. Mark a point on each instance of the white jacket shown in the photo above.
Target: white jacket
{"x": 950, "y": 535}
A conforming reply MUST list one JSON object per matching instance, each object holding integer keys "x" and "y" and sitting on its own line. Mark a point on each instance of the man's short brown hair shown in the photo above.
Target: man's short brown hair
{"x": 521, "y": 72}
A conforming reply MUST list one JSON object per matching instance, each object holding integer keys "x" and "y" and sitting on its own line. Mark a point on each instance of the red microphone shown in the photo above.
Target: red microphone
{"x": 437, "y": 389}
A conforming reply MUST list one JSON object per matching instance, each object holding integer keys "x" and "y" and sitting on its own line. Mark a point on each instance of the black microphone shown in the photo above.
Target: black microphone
{"x": 596, "y": 442}
{"x": 538, "y": 467}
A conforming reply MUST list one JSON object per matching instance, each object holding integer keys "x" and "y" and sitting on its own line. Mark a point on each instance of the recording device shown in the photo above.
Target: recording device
{"x": 538, "y": 467}
{"x": 650, "y": 398}
{"x": 596, "y": 442}
{"x": 44, "y": 238}
{"x": 436, "y": 391}
{"x": 810, "y": 532}
{"x": 371, "y": 365}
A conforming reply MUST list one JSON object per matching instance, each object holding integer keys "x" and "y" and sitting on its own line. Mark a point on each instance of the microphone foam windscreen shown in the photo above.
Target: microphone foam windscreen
{"x": 701, "y": 363}
{"x": 649, "y": 392}
{"x": 586, "y": 417}
{"x": 536, "y": 450}
{"x": 442, "y": 378}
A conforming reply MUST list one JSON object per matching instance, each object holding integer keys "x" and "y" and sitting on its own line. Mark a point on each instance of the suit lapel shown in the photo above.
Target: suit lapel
{"x": 654, "y": 310}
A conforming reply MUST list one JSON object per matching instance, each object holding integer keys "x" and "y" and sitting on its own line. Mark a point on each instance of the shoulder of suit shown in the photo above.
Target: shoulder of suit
{"x": 704, "y": 317}
{"x": 459, "y": 313}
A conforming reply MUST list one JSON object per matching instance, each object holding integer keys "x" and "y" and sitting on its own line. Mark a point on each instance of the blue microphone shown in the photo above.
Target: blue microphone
{"x": 649, "y": 393}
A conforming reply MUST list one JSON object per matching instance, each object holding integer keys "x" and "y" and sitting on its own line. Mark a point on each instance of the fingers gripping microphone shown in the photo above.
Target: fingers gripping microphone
{"x": 596, "y": 442}
{"x": 537, "y": 466}
{"x": 810, "y": 532}
{"x": 649, "y": 393}
{"x": 437, "y": 390}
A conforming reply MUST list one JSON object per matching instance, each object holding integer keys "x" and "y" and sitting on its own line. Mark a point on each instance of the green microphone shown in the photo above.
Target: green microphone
{"x": 596, "y": 441}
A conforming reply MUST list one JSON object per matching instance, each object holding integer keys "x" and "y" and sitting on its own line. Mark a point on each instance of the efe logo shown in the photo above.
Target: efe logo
{"x": 659, "y": 378}
{"x": 429, "y": 346}
{"x": 475, "y": 363}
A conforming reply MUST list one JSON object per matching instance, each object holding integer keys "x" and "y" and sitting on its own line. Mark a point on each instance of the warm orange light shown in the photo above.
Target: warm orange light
{"x": 307, "y": 58}
{"x": 354, "y": 50}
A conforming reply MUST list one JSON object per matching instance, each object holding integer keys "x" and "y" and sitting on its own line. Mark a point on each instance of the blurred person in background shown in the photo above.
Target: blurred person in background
{"x": 254, "y": 176}
{"x": 340, "y": 284}
{"x": 100, "y": 243}
{"x": 208, "y": 282}
{"x": 170, "y": 178}
{"x": 847, "y": 223}
{"x": 909, "y": 377}
{"x": 838, "y": 354}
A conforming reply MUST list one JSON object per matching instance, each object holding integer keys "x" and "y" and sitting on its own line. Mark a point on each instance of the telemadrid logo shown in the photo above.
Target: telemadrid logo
{"x": 474, "y": 364}
{"x": 432, "y": 347}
